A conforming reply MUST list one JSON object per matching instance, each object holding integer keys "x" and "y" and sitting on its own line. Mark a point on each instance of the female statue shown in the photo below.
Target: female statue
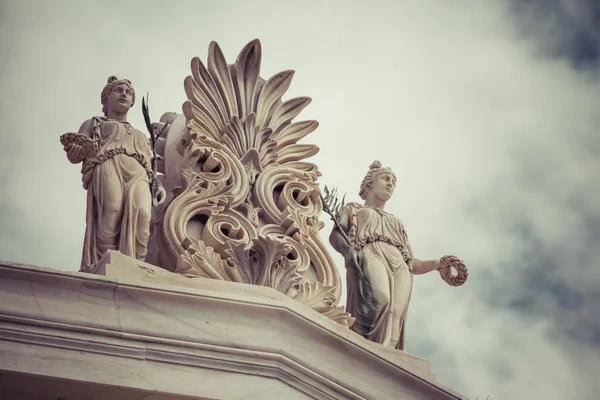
{"x": 116, "y": 174}
{"x": 380, "y": 261}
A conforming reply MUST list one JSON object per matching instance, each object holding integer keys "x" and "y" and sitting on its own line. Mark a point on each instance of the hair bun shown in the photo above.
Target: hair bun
{"x": 112, "y": 78}
{"x": 375, "y": 164}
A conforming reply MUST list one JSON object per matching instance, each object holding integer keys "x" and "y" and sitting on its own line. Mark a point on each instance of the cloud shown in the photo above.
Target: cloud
{"x": 486, "y": 114}
{"x": 563, "y": 28}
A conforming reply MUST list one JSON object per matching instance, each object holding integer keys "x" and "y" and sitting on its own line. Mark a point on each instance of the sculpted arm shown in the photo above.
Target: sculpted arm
{"x": 421, "y": 267}
{"x": 352, "y": 257}
{"x": 86, "y": 128}
{"x": 159, "y": 194}
{"x": 336, "y": 239}
{"x": 444, "y": 265}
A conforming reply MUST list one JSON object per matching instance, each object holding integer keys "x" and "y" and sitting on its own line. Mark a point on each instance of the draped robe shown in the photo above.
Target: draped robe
{"x": 119, "y": 202}
{"x": 386, "y": 250}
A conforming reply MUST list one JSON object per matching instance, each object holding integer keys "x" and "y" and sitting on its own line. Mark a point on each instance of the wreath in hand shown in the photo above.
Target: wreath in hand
{"x": 90, "y": 147}
{"x": 448, "y": 263}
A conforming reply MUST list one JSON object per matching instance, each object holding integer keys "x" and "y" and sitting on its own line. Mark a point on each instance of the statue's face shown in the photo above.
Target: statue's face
{"x": 120, "y": 99}
{"x": 383, "y": 186}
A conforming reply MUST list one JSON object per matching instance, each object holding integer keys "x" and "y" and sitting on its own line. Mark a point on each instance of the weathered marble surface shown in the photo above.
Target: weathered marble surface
{"x": 116, "y": 172}
{"x": 243, "y": 201}
{"x": 133, "y": 331}
{"x": 380, "y": 261}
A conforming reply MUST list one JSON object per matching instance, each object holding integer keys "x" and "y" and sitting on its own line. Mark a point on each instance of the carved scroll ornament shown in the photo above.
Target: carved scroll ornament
{"x": 246, "y": 207}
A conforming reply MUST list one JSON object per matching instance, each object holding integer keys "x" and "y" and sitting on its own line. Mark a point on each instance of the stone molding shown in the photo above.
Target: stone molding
{"x": 133, "y": 329}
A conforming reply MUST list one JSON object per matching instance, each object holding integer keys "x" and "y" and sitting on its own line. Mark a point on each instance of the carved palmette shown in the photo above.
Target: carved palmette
{"x": 246, "y": 207}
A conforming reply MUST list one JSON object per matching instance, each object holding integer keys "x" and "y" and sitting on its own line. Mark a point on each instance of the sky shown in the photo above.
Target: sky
{"x": 488, "y": 112}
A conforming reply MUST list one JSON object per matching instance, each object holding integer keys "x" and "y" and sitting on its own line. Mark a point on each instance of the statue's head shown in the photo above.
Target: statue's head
{"x": 118, "y": 94}
{"x": 379, "y": 182}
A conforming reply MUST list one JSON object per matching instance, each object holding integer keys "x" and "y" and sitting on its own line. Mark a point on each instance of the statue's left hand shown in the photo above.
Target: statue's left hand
{"x": 447, "y": 261}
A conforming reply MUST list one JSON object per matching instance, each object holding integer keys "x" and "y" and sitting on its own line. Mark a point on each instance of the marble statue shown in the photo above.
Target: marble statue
{"x": 117, "y": 173}
{"x": 380, "y": 262}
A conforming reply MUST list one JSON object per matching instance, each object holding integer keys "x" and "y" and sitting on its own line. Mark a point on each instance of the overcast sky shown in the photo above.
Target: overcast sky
{"x": 488, "y": 111}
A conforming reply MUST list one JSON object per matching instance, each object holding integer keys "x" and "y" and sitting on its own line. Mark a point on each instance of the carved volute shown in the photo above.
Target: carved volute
{"x": 246, "y": 205}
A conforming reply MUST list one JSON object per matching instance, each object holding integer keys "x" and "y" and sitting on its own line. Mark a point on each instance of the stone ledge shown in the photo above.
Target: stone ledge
{"x": 219, "y": 333}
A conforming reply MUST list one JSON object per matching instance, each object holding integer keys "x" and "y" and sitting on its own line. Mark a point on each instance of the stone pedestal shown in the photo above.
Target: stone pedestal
{"x": 135, "y": 331}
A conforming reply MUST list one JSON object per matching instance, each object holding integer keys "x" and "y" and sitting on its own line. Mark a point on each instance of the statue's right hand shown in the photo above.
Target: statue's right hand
{"x": 355, "y": 260}
{"x": 74, "y": 150}
{"x": 75, "y": 153}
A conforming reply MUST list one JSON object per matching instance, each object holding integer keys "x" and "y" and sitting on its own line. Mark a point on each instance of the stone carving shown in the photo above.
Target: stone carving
{"x": 380, "y": 262}
{"x": 243, "y": 205}
{"x": 116, "y": 173}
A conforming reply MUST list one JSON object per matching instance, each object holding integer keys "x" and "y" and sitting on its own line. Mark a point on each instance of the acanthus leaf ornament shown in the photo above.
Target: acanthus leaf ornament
{"x": 244, "y": 204}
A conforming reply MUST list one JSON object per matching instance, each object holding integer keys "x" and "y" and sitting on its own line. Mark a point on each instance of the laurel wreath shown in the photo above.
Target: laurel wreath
{"x": 89, "y": 145}
{"x": 449, "y": 263}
